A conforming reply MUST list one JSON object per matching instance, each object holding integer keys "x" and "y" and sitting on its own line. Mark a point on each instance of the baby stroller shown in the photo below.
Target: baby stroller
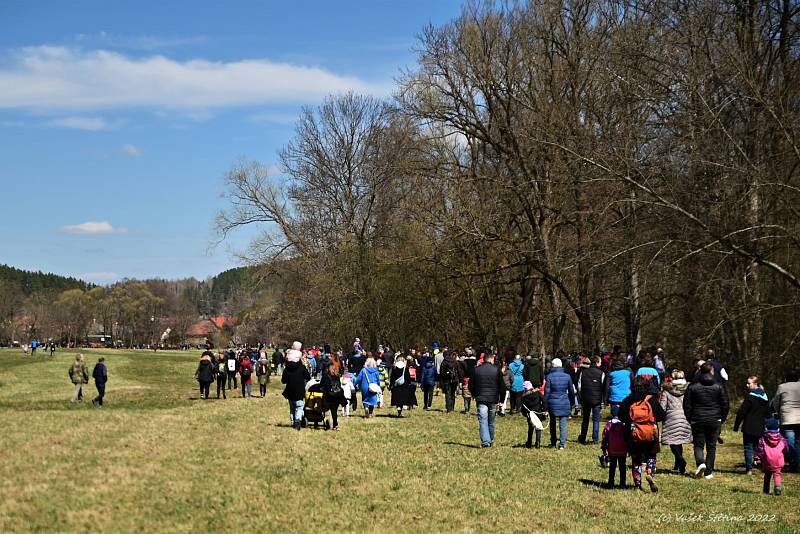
{"x": 315, "y": 408}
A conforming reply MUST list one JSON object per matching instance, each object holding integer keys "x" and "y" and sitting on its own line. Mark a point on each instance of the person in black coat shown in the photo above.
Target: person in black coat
{"x": 487, "y": 387}
{"x": 533, "y": 372}
{"x": 205, "y": 374}
{"x": 332, "y": 393}
{"x": 751, "y": 416}
{"x": 643, "y": 453}
{"x": 533, "y": 403}
{"x": 100, "y": 376}
{"x": 295, "y": 375}
{"x": 400, "y": 385}
{"x": 591, "y": 386}
{"x": 706, "y": 407}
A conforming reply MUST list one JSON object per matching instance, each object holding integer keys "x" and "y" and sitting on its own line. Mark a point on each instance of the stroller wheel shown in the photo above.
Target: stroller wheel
{"x": 327, "y": 424}
{"x": 304, "y": 422}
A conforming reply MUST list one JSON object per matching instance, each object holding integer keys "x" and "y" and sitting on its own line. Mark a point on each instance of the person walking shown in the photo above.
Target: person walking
{"x": 751, "y": 416}
{"x": 262, "y": 372}
{"x": 332, "y": 392}
{"x": 508, "y": 381}
{"x": 246, "y": 374}
{"x": 427, "y": 367}
{"x": 488, "y": 387}
{"x": 79, "y": 376}
{"x": 641, "y": 413}
{"x": 676, "y": 431}
{"x": 516, "y": 367}
{"x": 400, "y": 385}
{"x": 559, "y": 394}
{"x": 204, "y": 374}
{"x": 368, "y": 380}
{"x": 221, "y": 373}
{"x": 533, "y": 408}
{"x": 772, "y": 450}
{"x": 591, "y": 384}
{"x": 706, "y": 407}
{"x": 233, "y": 368}
{"x": 100, "y": 375}
{"x": 295, "y": 375}
{"x": 615, "y": 448}
{"x": 618, "y": 384}
{"x": 451, "y": 372}
{"x": 786, "y": 403}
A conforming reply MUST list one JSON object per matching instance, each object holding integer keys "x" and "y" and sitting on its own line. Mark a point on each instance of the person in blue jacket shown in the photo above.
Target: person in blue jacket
{"x": 368, "y": 376}
{"x": 427, "y": 367}
{"x": 517, "y": 368}
{"x": 559, "y": 394}
{"x": 650, "y": 373}
{"x": 618, "y": 384}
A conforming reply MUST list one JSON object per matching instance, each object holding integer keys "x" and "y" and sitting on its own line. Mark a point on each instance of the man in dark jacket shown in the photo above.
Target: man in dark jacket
{"x": 295, "y": 375}
{"x": 706, "y": 407}
{"x": 533, "y": 372}
{"x": 100, "y": 376}
{"x": 590, "y": 390}
{"x": 451, "y": 373}
{"x": 487, "y": 389}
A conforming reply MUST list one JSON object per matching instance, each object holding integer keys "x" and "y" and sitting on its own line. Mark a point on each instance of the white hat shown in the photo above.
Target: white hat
{"x": 297, "y": 345}
{"x": 556, "y": 362}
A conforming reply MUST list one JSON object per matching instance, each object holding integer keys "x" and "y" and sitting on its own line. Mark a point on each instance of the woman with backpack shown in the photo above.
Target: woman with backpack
{"x": 222, "y": 374}
{"x": 246, "y": 373}
{"x": 262, "y": 372}
{"x": 332, "y": 392}
{"x": 641, "y": 413}
{"x": 751, "y": 416}
{"x": 676, "y": 431}
{"x": 400, "y": 385}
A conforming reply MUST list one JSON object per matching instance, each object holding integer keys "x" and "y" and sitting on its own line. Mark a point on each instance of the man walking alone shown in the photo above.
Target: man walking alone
{"x": 487, "y": 389}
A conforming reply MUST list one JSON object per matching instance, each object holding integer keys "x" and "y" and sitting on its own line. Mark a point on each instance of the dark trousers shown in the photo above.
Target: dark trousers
{"x": 617, "y": 462}
{"x": 677, "y": 452}
{"x": 427, "y": 394}
{"x": 531, "y": 430}
{"x": 516, "y": 401}
{"x": 263, "y": 389}
{"x": 101, "y": 392}
{"x": 204, "y": 388}
{"x": 335, "y": 414}
{"x": 704, "y": 435}
{"x": 232, "y": 380}
{"x": 222, "y": 378}
{"x": 587, "y": 411}
{"x": 449, "y": 397}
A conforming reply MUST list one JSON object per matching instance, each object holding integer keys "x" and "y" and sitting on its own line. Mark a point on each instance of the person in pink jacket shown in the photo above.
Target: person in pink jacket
{"x": 773, "y": 451}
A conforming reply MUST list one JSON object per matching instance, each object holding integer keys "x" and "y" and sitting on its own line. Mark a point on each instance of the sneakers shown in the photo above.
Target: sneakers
{"x": 561, "y": 447}
{"x": 528, "y": 445}
{"x": 749, "y": 472}
{"x": 778, "y": 490}
{"x": 700, "y": 471}
{"x": 652, "y": 483}
{"x": 709, "y": 476}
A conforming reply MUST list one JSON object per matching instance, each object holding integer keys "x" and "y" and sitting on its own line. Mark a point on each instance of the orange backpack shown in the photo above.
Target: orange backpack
{"x": 643, "y": 422}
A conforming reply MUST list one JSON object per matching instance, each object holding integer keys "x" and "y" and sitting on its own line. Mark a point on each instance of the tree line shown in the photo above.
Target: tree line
{"x": 551, "y": 175}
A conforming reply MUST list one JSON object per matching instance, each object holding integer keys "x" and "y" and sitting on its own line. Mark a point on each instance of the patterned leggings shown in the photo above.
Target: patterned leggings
{"x": 638, "y": 461}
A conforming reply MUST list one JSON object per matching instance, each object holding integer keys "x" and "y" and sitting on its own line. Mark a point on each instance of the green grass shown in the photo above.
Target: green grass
{"x": 157, "y": 459}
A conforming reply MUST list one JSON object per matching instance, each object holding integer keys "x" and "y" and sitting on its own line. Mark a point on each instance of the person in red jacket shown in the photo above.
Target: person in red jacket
{"x": 246, "y": 373}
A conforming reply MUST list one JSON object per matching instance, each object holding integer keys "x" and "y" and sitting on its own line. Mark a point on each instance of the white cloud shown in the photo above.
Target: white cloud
{"x": 79, "y": 123}
{"x": 131, "y": 150}
{"x": 92, "y": 227}
{"x": 99, "y": 277}
{"x": 53, "y": 78}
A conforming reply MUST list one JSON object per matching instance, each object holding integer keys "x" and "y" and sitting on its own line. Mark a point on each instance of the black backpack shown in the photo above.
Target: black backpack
{"x": 245, "y": 374}
{"x": 447, "y": 371}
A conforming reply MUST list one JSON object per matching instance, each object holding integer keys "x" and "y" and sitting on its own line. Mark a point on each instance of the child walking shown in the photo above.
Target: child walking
{"x": 615, "y": 448}
{"x": 534, "y": 410}
{"x": 773, "y": 451}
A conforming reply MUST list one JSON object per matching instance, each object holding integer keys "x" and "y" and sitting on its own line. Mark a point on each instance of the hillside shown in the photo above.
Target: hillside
{"x": 30, "y": 282}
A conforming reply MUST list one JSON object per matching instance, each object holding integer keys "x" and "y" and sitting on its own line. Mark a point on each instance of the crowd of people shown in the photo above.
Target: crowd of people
{"x": 650, "y": 403}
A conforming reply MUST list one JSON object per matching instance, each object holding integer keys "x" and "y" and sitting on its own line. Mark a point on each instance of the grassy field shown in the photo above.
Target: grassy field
{"x": 156, "y": 458}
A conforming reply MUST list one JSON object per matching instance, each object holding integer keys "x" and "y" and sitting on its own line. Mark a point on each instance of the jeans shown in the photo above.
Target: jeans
{"x": 594, "y": 411}
{"x": 750, "y": 443}
{"x": 296, "y": 411}
{"x": 562, "y": 423}
{"x": 487, "y": 415}
{"x": 449, "y": 397}
{"x": 101, "y": 392}
{"x": 222, "y": 378}
{"x": 231, "y": 379}
{"x": 427, "y": 396}
{"x": 792, "y": 435}
{"x": 467, "y": 404}
{"x": 247, "y": 388}
{"x": 705, "y": 435}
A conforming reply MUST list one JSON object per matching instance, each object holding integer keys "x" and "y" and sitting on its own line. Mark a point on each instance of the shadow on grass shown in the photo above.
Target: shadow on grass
{"x": 467, "y": 445}
{"x": 601, "y": 485}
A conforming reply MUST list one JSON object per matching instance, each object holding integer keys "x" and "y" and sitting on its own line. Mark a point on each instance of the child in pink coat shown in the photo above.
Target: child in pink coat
{"x": 614, "y": 447}
{"x": 772, "y": 450}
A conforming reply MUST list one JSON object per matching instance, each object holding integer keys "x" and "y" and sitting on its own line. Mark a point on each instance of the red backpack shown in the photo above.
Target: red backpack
{"x": 643, "y": 422}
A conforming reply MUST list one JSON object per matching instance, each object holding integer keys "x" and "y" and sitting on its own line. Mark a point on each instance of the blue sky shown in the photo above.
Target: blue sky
{"x": 117, "y": 125}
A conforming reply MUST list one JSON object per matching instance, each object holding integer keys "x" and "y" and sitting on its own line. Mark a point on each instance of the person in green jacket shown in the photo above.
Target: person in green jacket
{"x": 79, "y": 376}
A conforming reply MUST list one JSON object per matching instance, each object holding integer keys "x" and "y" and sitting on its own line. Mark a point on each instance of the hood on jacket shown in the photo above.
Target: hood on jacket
{"x": 772, "y": 438}
{"x": 617, "y": 366}
{"x": 759, "y": 393}
{"x": 706, "y": 379}
{"x": 676, "y": 391}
